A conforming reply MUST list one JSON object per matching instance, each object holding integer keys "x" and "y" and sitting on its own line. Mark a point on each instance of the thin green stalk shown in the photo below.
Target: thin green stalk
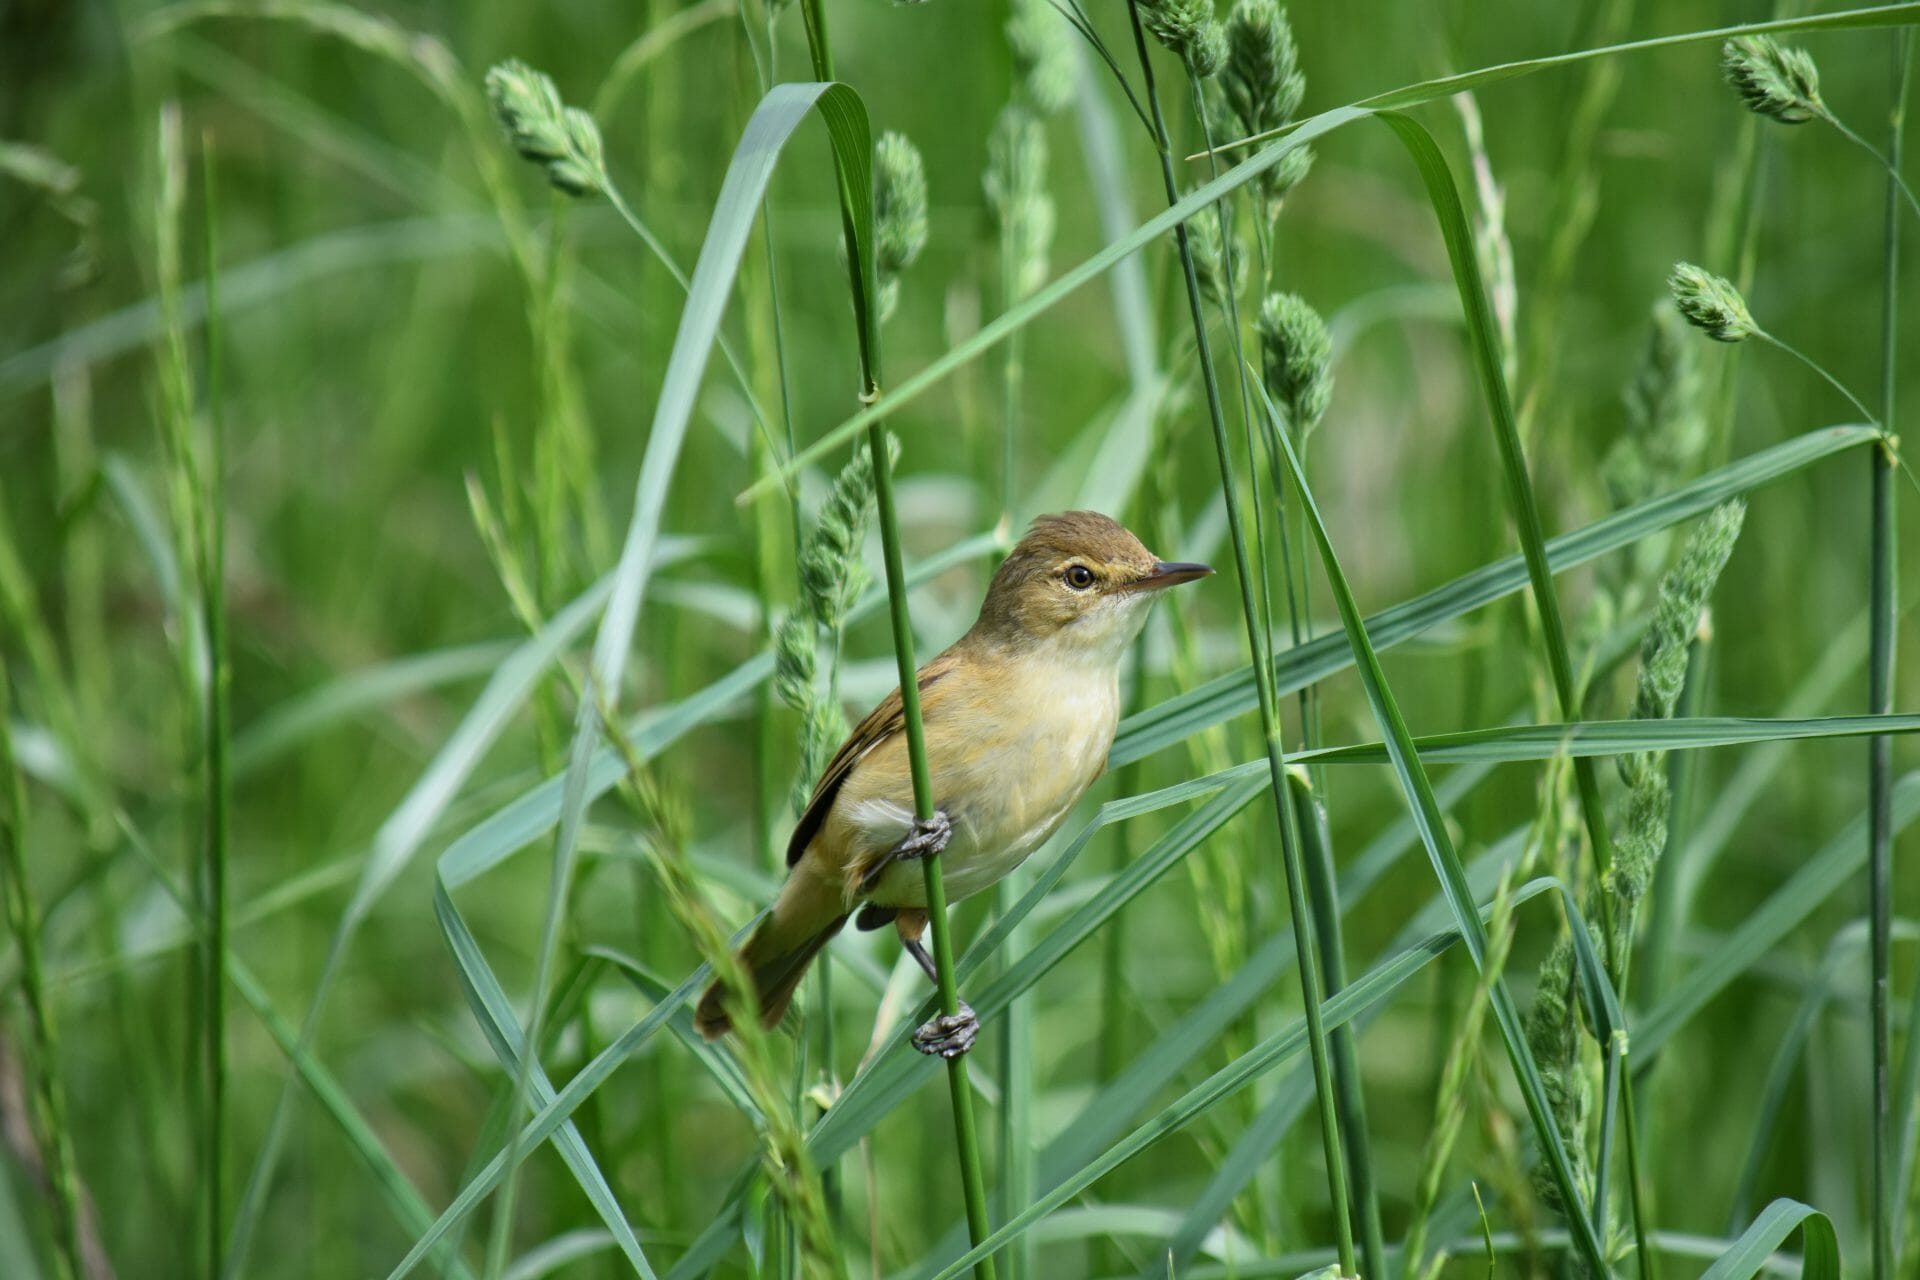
{"x": 1323, "y": 891}
{"x": 966, "y": 1136}
{"x": 217, "y": 727}
{"x": 1263, "y": 670}
{"x": 48, "y": 1104}
{"x": 1897, "y": 189}
{"x": 1866, "y": 414}
{"x": 1018, "y": 1167}
{"x": 859, "y": 266}
{"x": 1642, "y": 1215}
{"x": 1883, "y": 603}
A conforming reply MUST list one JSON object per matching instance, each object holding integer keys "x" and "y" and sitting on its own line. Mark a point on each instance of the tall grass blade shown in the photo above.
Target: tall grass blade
{"x": 779, "y": 114}
{"x": 1233, "y": 694}
{"x": 1365, "y": 994}
{"x": 1446, "y": 863}
{"x": 1883, "y": 605}
{"x": 1750, "y": 1254}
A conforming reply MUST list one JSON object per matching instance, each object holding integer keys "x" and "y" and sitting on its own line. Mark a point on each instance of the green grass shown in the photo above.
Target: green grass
{"x": 394, "y": 547}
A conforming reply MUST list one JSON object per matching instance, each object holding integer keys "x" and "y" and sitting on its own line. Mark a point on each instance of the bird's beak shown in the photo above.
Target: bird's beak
{"x": 1168, "y": 575}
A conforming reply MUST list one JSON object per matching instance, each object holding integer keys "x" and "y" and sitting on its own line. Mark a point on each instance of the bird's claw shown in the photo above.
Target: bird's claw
{"x": 927, "y": 837}
{"x": 948, "y": 1036}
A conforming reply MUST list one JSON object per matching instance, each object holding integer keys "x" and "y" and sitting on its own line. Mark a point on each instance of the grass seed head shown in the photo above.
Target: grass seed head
{"x": 899, "y": 202}
{"x": 1015, "y": 184}
{"x": 1043, "y": 64}
{"x": 1261, "y": 78}
{"x": 1189, "y": 30}
{"x": 1683, "y": 595}
{"x": 899, "y": 213}
{"x": 1296, "y": 356}
{"x": 1210, "y": 265}
{"x": 1781, "y": 84}
{"x": 1711, "y": 303}
{"x": 795, "y": 653}
{"x": 562, "y": 140}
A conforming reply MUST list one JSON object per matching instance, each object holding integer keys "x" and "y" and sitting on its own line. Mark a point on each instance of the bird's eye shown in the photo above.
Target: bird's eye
{"x": 1079, "y": 577}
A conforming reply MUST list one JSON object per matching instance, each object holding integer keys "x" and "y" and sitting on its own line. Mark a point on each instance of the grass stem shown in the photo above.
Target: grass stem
{"x": 1263, "y": 674}
{"x": 860, "y": 269}
{"x": 1883, "y": 603}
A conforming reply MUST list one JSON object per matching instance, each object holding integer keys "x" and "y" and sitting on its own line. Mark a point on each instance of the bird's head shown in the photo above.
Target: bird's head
{"x": 1078, "y": 581}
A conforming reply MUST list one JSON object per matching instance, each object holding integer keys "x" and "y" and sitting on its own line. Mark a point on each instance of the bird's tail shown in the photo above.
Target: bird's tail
{"x": 777, "y": 955}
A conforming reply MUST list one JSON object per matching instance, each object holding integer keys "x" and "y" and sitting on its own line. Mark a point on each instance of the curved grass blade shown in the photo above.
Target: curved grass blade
{"x": 394, "y": 844}
{"x": 1446, "y": 862}
{"x": 1413, "y": 95}
{"x": 1202, "y": 197}
{"x": 774, "y": 121}
{"x": 494, "y": 1012}
{"x": 1232, "y": 694}
{"x": 1484, "y": 338}
{"x": 876, "y": 1090}
{"x": 1613, "y": 738}
{"x": 1363, "y": 995}
{"x": 1820, "y": 1248}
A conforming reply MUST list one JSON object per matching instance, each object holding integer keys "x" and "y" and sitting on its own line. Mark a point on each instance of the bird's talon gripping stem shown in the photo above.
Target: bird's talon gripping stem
{"x": 926, "y": 837}
{"x": 948, "y": 1036}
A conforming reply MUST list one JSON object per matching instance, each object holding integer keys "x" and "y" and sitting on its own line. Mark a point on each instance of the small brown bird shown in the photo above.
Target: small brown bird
{"x": 1019, "y": 716}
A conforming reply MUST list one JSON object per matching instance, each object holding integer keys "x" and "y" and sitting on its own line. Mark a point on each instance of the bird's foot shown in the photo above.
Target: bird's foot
{"x": 948, "y": 1036}
{"x": 926, "y": 837}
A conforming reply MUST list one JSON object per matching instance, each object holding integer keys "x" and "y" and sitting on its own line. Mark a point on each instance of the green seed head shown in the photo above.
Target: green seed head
{"x": 1279, "y": 180}
{"x": 1210, "y": 264}
{"x": 899, "y": 213}
{"x": 1683, "y": 594}
{"x": 1262, "y": 77}
{"x": 562, "y": 140}
{"x": 1711, "y": 303}
{"x": 1016, "y": 190}
{"x": 1189, "y": 30}
{"x": 899, "y": 203}
{"x": 1043, "y": 64}
{"x": 795, "y": 650}
{"x": 1296, "y": 356}
{"x": 1782, "y": 84}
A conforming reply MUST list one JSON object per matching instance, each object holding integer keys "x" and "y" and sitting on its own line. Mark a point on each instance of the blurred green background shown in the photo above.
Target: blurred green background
{"x": 379, "y": 361}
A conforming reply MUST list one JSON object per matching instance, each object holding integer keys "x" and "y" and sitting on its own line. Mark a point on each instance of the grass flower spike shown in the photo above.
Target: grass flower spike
{"x": 562, "y": 140}
{"x": 1296, "y": 355}
{"x": 899, "y": 212}
{"x": 1262, "y": 79}
{"x": 1016, "y": 190}
{"x": 1262, "y": 86}
{"x": 1711, "y": 303}
{"x": 1043, "y": 64}
{"x": 1782, "y": 84}
{"x": 1189, "y": 29}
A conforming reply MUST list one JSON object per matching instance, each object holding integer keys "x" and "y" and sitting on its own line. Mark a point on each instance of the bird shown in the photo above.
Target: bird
{"x": 1019, "y": 715}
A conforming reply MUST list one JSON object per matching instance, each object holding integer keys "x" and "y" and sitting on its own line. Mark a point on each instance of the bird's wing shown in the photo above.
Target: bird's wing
{"x": 881, "y": 723}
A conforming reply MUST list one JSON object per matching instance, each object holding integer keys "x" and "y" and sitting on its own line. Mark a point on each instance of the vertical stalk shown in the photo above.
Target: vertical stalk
{"x": 966, "y": 1134}
{"x": 1017, "y": 1171}
{"x": 1323, "y": 891}
{"x": 1264, "y": 685}
{"x": 1882, "y": 605}
{"x": 48, "y": 1104}
{"x": 215, "y": 720}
